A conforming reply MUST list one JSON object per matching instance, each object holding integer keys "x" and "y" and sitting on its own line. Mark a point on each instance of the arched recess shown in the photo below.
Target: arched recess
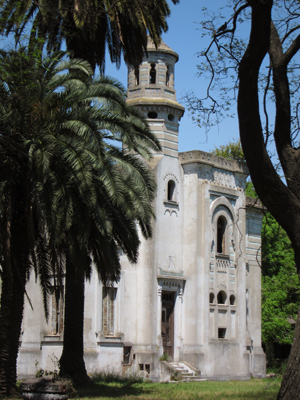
{"x": 152, "y": 74}
{"x": 222, "y": 201}
{"x": 221, "y": 235}
{"x": 222, "y": 297}
{"x": 223, "y": 220}
{"x": 137, "y": 76}
{"x": 168, "y": 75}
{"x": 171, "y": 193}
{"x": 232, "y": 300}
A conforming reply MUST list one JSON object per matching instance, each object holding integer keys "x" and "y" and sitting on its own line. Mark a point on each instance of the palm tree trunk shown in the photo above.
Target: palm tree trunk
{"x": 71, "y": 361}
{"x": 11, "y": 311}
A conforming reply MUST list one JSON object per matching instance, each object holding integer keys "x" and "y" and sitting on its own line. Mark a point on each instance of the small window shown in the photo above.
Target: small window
{"x": 152, "y": 114}
{"x": 222, "y": 297}
{"x": 57, "y": 309}
{"x": 126, "y": 355}
{"x": 232, "y": 300}
{"x": 171, "y": 190}
{"x": 108, "y": 310}
{"x": 152, "y": 77}
{"x": 137, "y": 77}
{"x": 171, "y": 117}
{"x": 221, "y": 333}
{"x": 211, "y": 298}
{"x": 147, "y": 368}
{"x": 168, "y": 76}
{"x": 221, "y": 229}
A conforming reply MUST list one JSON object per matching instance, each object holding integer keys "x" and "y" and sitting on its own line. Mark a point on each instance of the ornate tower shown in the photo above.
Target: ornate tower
{"x": 151, "y": 89}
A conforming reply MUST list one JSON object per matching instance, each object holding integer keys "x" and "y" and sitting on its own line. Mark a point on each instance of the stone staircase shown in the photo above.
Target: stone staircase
{"x": 186, "y": 371}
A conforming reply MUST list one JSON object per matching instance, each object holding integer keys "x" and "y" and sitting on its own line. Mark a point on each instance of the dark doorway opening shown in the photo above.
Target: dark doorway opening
{"x": 167, "y": 323}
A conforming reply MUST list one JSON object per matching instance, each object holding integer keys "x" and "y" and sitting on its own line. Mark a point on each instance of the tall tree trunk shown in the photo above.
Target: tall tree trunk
{"x": 11, "y": 314}
{"x": 71, "y": 361}
{"x": 283, "y": 201}
{"x": 11, "y": 307}
{"x": 290, "y": 386}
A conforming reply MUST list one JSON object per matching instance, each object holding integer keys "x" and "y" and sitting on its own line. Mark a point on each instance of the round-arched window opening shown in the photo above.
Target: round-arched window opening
{"x": 171, "y": 117}
{"x": 152, "y": 114}
{"x": 222, "y": 297}
{"x": 211, "y": 298}
{"x": 168, "y": 75}
{"x": 152, "y": 76}
{"x": 221, "y": 229}
{"x": 137, "y": 77}
{"x": 171, "y": 190}
{"x": 232, "y": 300}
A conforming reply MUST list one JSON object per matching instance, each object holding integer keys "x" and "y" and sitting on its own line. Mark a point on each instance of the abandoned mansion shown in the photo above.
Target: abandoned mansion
{"x": 194, "y": 297}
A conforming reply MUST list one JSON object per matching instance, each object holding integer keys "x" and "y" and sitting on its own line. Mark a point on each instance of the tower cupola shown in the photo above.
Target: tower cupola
{"x": 151, "y": 89}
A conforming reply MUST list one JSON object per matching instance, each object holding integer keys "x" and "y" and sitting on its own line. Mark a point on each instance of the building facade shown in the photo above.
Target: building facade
{"x": 195, "y": 294}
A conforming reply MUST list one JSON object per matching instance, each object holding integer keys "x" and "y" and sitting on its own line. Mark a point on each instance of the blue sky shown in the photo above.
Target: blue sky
{"x": 184, "y": 37}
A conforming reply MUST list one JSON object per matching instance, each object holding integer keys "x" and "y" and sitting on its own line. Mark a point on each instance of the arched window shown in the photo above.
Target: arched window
{"x": 221, "y": 229}
{"x": 152, "y": 77}
{"x": 137, "y": 77}
{"x": 171, "y": 190}
{"x": 221, "y": 297}
{"x": 211, "y": 298}
{"x": 232, "y": 300}
{"x": 168, "y": 76}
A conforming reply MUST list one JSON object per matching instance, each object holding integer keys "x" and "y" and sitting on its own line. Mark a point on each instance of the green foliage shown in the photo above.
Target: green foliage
{"x": 232, "y": 150}
{"x": 280, "y": 303}
{"x": 250, "y": 191}
{"x": 280, "y": 284}
{"x": 277, "y": 251}
{"x": 88, "y": 29}
{"x": 266, "y": 389}
{"x": 112, "y": 376}
{"x": 164, "y": 357}
{"x": 68, "y": 189}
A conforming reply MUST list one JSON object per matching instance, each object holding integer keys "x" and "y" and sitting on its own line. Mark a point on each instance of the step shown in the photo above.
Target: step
{"x": 187, "y": 373}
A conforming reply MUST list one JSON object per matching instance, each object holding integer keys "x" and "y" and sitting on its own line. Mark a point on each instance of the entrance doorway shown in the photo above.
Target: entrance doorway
{"x": 167, "y": 323}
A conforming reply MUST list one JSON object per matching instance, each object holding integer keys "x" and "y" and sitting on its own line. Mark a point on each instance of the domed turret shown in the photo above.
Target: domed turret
{"x": 151, "y": 89}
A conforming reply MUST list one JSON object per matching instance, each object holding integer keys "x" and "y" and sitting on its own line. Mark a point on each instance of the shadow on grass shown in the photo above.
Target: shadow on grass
{"x": 98, "y": 390}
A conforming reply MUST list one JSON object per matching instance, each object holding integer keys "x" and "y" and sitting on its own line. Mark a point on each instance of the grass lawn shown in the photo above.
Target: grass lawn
{"x": 258, "y": 389}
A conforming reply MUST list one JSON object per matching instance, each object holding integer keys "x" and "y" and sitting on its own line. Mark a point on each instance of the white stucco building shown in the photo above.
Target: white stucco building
{"x": 195, "y": 293}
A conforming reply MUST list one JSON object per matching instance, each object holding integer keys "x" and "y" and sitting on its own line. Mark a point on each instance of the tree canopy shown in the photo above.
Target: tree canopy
{"x": 69, "y": 193}
{"x": 232, "y": 150}
{"x": 89, "y": 28}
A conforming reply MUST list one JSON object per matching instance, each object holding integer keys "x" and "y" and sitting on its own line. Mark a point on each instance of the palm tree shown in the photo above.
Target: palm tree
{"x": 28, "y": 186}
{"x": 123, "y": 188}
{"x": 88, "y": 27}
{"x": 66, "y": 193}
{"x": 32, "y": 198}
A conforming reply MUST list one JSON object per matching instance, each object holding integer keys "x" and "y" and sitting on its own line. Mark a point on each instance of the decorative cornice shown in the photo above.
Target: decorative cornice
{"x": 197, "y": 156}
{"x": 155, "y": 101}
